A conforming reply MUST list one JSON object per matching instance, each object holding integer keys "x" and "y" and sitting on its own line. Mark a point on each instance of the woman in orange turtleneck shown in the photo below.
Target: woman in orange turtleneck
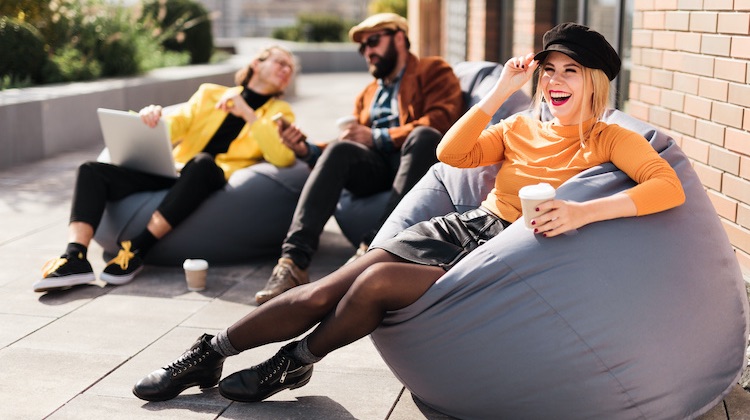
{"x": 576, "y": 68}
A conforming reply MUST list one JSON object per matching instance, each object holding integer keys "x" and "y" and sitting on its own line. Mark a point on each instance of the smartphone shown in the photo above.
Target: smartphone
{"x": 280, "y": 116}
{"x": 285, "y": 124}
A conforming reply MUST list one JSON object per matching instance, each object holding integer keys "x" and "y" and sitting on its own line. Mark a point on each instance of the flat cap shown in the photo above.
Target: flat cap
{"x": 586, "y": 46}
{"x": 379, "y": 21}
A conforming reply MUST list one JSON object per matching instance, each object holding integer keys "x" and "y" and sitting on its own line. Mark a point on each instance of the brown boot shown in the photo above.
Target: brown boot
{"x": 285, "y": 276}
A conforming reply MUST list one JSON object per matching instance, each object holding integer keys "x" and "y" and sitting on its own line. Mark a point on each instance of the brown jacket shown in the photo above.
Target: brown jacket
{"x": 429, "y": 94}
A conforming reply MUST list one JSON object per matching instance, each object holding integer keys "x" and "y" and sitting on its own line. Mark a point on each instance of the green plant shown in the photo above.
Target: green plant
{"x": 22, "y": 55}
{"x": 322, "y": 28}
{"x": 289, "y": 33}
{"x": 398, "y": 7}
{"x": 183, "y": 25}
{"x": 101, "y": 34}
{"x": 315, "y": 28}
{"x": 34, "y": 12}
{"x": 69, "y": 64}
{"x": 83, "y": 40}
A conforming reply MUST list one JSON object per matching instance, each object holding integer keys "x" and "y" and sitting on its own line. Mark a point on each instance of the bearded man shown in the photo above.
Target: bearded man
{"x": 400, "y": 118}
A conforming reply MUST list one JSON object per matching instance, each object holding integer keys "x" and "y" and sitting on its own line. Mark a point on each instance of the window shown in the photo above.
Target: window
{"x": 614, "y": 20}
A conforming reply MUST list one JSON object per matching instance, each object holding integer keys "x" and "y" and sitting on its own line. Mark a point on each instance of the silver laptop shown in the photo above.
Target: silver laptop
{"x": 132, "y": 144}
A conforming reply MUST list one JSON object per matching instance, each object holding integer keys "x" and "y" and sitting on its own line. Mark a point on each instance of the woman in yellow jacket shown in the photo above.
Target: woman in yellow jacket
{"x": 219, "y": 130}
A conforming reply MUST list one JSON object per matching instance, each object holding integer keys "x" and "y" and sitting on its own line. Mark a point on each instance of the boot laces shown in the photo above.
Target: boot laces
{"x": 272, "y": 366}
{"x": 189, "y": 359}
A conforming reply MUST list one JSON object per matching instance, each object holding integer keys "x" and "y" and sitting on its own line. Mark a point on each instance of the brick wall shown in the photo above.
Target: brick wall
{"x": 477, "y": 37}
{"x": 690, "y": 77}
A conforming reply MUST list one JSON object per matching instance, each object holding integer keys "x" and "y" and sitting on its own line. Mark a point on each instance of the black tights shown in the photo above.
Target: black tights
{"x": 348, "y": 304}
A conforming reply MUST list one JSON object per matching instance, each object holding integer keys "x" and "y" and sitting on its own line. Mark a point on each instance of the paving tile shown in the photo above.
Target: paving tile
{"x": 738, "y": 404}
{"x": 169, "y": 282}
{"x": 18, "y": 298}
{"x": 86, "y": 406}
{"x": 35, "y": 382}
{"x": 327, "y": 396}
{"x": 218, "y": 314}
{"x": 16, "y": 327}
{"x": 111, "y": 324}
{"x": 409, "y": 407}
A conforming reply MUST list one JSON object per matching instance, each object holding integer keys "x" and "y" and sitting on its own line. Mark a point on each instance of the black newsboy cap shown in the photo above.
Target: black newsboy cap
{"x": 586, "y": 46}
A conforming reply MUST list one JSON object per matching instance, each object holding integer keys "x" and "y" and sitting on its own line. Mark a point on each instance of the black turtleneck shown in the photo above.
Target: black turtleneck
{"x": 232, "y": 125}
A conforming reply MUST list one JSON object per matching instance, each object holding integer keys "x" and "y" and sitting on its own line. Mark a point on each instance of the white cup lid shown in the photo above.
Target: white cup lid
{"x": 344, "y": 122}
{"x": 194, "y": 265}
{"x": 536, "y": 192}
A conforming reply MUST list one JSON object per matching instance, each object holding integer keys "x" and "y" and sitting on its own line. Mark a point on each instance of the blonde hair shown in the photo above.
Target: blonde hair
{"x": 242, "y": 76}
{"x": 599, "y": 96}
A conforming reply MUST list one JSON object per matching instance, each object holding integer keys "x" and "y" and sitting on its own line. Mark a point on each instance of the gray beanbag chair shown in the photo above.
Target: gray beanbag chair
{"x": 248, "y": 219}
{"x": 359, "y": 215}
{"x": 641, "y": 317}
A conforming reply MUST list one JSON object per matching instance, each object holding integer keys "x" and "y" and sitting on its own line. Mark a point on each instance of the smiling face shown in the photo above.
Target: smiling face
{"x": 566, "y": 89}
{"x": 272, "y": 74}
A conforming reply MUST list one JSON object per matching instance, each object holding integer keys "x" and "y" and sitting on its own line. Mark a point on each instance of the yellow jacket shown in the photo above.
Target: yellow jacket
{"x": 193, "y": 125}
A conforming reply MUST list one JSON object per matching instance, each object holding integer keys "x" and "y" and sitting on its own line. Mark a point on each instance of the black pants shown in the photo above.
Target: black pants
{"x": 362, "y": 171}
{"x": 99, "y": 182}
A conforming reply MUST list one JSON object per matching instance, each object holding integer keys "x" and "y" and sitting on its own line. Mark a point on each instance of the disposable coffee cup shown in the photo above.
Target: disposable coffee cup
{"x": 531, "y": 196}
{"x": 195, "y": 274}
{"x": 344, "y": 123}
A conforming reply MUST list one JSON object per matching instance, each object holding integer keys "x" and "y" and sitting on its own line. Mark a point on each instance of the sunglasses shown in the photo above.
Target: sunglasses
{"x": 373, "y": 41}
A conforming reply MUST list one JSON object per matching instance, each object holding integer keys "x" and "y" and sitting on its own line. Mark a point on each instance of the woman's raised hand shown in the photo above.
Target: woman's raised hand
{"x": 232, "y": 103}
{"x": 516, "y": 72}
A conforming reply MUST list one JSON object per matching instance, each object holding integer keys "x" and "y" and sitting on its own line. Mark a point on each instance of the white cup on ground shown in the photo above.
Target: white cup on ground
{"x": 531, "y": 196}
{"x": 344, "y": 123}
{"x": 195, "y": 274}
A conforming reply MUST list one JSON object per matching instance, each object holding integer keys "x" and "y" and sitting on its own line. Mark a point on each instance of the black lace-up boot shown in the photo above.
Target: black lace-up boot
{"x": 280, "y": 372}
{"x": 200, "y": 365}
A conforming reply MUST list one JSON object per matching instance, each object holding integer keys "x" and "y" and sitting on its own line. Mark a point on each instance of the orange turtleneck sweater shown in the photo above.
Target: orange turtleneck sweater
{"x": 533, "y": 151}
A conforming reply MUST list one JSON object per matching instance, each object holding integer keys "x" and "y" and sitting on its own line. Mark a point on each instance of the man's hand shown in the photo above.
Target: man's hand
{"x": 361, "y": 134}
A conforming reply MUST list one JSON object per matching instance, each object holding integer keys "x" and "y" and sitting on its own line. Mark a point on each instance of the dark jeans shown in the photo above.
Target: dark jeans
{"x": 362, "y": 171}
{"x": 99, "y": 182}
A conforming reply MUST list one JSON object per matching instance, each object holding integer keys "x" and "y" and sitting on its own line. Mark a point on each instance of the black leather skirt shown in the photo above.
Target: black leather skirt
{"x": 443, "y": 241}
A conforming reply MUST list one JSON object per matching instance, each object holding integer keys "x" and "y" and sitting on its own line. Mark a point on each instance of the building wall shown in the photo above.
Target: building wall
{"x": 258, "y": 18}
{"x": 690, "y": 77}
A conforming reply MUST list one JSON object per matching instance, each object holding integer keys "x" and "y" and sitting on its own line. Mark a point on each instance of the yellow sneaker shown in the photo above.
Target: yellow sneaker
{"x": 65, "y": 272}
{"x": 122, "y": 268}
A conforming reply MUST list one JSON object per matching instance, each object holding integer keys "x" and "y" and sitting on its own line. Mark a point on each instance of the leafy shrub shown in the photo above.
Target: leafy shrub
{"x": 78, "y": 40}
{"x": 34, "y": 12}
{"x": 315, "y": 28}
{"x": 289, "y": 33}
{"x": 183, "y": 25}
{"x": 69, "y": 64}
{"x": 22, "y": 55}
{"x": 322, "y": 28}
{"x": 398, "y": 7}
